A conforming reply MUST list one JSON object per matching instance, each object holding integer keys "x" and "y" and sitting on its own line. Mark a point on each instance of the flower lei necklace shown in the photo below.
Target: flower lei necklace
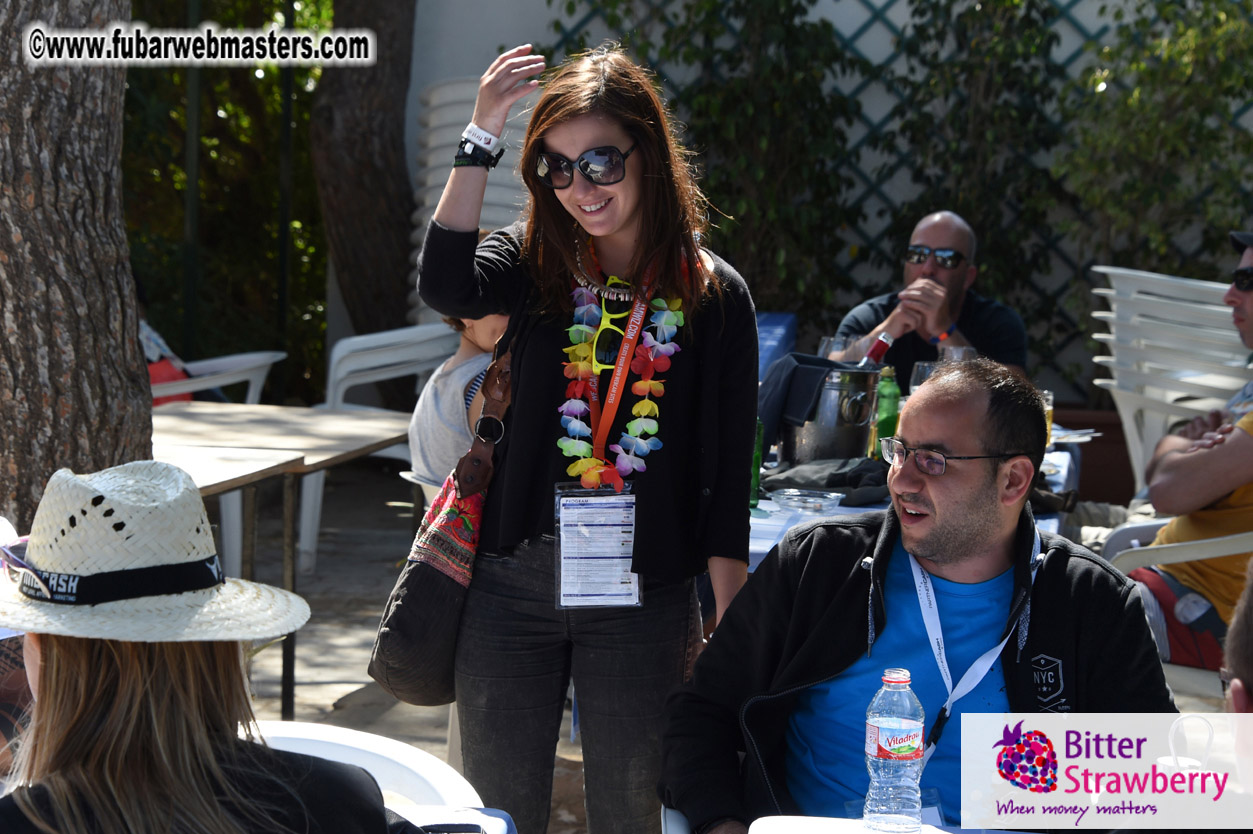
{"x": 582, "y": 406}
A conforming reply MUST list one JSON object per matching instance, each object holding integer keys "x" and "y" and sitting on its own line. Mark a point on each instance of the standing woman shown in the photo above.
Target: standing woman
{"x": 608, "y": 247}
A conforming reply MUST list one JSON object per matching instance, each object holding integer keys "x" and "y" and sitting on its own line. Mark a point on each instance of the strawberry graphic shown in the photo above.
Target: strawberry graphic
{"x": 1027, "y": 760}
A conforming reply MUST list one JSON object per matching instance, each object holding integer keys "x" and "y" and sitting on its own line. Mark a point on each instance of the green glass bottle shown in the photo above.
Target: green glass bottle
{"x": 889, "y": 404}
{"x": 756, "y": 481}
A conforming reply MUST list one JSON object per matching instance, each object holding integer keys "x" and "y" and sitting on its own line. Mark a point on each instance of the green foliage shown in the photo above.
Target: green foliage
{"x": 974, "y": 125}
{"x": 1155, "y": 153}
{"x": 236, "y": 308}
{"x": 757, "y": 82}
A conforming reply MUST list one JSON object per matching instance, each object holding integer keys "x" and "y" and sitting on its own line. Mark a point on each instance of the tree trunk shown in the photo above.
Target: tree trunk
{"x": 358, "y": 150}
{"x": 73, "y": 382}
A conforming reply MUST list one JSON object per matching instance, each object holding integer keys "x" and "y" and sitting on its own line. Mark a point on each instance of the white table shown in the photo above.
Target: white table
{"x": 817, "y": 825}
{"x": 828, "y": 825}
{"x": 218, "y": 469}
{"x": 321, "y": 437}
{"x": 769, "y": 521}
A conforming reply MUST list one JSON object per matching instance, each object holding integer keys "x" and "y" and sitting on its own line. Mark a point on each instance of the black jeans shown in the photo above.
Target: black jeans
{"x": 516, "y": 654}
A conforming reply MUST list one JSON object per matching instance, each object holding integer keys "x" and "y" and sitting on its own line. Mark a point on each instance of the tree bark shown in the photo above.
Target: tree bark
{"x": 73, "y": 383}
{"x": 358, "y": 150}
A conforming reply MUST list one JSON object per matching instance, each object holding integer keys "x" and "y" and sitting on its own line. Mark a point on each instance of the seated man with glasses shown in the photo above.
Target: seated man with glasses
{"x": 952, "y": 582}
{"x": 937, "y": 306}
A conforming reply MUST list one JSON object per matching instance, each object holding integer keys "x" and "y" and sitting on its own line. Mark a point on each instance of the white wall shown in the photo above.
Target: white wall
{"x": 459, "y": 38}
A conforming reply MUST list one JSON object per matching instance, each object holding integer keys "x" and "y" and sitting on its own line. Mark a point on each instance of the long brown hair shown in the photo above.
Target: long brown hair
{"x": 136, "y": 738}
{"x": 606, "y": 82}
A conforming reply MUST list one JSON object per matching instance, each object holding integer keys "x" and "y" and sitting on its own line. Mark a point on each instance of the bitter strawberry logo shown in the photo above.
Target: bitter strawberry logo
{"x": 1027, "y": 760}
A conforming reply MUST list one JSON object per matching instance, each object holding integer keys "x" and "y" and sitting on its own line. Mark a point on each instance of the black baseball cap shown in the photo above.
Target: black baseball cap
{"x": 1241, "y": 241}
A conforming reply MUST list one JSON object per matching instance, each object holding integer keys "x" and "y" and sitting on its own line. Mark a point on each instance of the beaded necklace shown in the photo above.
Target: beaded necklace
{"x": 589, "y": 283}
{"x": 580, "y": 413}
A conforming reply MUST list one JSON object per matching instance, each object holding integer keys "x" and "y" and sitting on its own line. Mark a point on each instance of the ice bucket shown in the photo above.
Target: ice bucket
{"x": 840, "y": 424}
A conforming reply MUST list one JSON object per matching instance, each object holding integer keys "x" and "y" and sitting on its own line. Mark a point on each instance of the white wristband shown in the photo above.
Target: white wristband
{"x": 480, "y": 137}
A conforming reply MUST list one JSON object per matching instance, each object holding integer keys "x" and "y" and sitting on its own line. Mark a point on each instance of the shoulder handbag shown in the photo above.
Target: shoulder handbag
{"x": 416, "y": 643}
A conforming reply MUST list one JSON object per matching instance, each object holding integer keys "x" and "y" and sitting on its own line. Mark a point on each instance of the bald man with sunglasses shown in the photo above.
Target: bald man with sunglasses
{"x": 937, "y": 307}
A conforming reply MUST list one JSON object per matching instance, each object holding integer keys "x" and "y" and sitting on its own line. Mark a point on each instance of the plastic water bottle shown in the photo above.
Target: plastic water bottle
{"x": 894, "y": 746}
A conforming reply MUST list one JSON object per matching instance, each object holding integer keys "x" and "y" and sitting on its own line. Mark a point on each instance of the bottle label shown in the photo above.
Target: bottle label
{"x": 894, "y": 738}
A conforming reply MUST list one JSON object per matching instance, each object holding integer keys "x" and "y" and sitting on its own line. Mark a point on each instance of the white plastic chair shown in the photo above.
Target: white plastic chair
{"x": 1136, "y": 281}
{"x": 207, "y": 374}
{"x": 412, "y": 780}
{"x": 1156, "y": 307}
{"x": 1174, "y": 354}
{"x": 1146, "y": 419}
{"x": 1187, "y": 680}
{"x": 673, "y": 822}
{"x": 1224, "y": 342}
{"x": 224, "y": 370}
{"x": 1170, "y": 383}
{"x": 360, "y": 360}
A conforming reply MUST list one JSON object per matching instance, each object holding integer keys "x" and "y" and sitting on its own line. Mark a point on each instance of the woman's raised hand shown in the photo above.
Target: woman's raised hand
{"x": 508, "y": 79}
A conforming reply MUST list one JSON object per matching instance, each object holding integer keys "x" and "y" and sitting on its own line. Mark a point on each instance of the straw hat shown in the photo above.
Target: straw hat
{"x": 127, "y": 554}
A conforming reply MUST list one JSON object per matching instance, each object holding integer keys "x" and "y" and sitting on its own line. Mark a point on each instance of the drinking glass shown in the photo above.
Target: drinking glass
{"x": 1047, "y": 396}
{"x": 832, "y": 344}
{"x": 954, "y": 353}
{"x": 921, "y": 371}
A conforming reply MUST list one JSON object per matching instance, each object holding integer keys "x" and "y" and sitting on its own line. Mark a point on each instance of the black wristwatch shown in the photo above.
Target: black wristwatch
{"x": 469, "y": 153}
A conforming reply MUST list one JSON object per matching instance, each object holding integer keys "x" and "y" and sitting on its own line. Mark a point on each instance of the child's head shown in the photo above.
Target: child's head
{"x": 482, "y": 333}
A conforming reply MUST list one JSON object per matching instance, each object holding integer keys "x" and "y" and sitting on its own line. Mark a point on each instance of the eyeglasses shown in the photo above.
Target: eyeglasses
{"x": 945, "y": 258}
{"x": 928, "y": 461}
{"x": 1242, "y": 278}
{"x": 1225, "y": 677}
{"x": 16, "y": 568}
{"x": 605, "y": 354}
{"x": 601, "y": 166}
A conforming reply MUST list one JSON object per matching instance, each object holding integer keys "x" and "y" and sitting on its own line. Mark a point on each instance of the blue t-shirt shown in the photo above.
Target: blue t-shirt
{"x": 826, "y": 760}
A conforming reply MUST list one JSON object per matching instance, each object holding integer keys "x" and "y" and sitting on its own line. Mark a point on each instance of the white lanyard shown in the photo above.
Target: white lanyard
{"x": 979, "y": 669}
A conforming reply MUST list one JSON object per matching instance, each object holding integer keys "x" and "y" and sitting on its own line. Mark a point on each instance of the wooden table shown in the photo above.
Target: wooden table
{"x": 322, "y": 437}
{"x": 218, "y": 469}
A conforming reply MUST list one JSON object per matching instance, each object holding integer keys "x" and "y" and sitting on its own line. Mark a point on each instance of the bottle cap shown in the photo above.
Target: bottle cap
{"x": 896, "y": 676}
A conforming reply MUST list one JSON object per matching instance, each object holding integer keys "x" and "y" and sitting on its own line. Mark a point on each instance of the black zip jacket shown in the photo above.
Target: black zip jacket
{"x": 812, "y": 608}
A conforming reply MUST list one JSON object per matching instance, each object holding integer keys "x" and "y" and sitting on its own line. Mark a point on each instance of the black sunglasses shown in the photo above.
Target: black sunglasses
{"x": 1242, "y": 278}
{"x": 946, "y": 258}
{"x": 601, "y": 166}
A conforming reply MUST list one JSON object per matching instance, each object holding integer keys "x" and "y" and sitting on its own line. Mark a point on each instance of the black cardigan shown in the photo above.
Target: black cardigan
{"x": 304, "y": 793}
{"x": 692, "y": 500}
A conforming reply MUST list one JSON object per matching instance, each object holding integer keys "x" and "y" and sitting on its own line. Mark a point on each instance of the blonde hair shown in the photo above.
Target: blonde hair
{"x": 138, "y": 737}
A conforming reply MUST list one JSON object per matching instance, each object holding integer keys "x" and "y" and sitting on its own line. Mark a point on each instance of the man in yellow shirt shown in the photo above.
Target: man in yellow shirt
{"x": 1205, "y": 478}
